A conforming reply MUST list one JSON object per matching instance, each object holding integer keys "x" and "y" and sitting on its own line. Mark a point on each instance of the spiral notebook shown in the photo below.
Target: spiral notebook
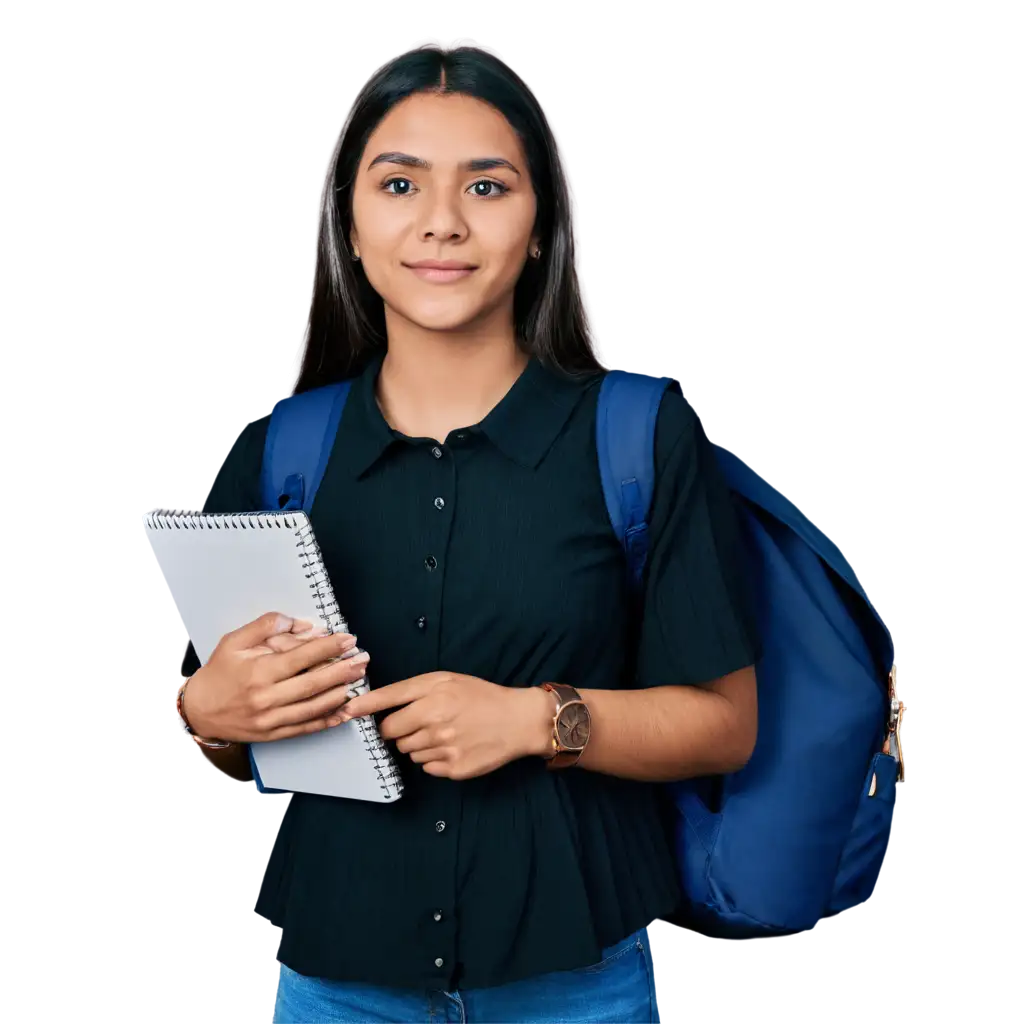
{"x": 225, "y": 570}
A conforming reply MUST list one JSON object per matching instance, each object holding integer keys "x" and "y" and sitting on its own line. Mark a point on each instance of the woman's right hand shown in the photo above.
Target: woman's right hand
{"x": 245, "y": 694}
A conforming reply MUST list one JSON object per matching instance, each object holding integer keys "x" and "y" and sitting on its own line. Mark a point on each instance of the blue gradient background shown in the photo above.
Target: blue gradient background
{"x": 155, "y": 219}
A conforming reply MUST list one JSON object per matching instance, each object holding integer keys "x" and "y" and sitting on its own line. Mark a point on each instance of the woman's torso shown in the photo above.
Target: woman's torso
{"x": 493, "y": 556}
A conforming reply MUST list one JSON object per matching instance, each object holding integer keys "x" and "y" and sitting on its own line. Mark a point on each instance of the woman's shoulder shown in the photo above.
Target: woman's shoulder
{"x": 675, "y": 414}
{"x": 236, "y": 486}
{"x": 677, "y": 425}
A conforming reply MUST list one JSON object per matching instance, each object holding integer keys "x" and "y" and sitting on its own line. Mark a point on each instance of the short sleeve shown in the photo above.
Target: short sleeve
{"x": 235, "y": 489}
{"x": 697, "y": 621}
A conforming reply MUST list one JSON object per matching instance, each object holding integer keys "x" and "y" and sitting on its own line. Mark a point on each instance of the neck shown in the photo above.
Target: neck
{"x": 432, "y": 384}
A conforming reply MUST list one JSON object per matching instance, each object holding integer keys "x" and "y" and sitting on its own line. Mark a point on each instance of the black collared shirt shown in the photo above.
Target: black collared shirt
{"x": 492, "y": 554}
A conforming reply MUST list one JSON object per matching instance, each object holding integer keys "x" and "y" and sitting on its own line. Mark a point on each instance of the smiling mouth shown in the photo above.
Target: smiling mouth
{"x": 439, "y": 276}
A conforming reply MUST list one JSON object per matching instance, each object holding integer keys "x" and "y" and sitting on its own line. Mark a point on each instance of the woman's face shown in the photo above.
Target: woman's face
{"x": 445, "y": 211}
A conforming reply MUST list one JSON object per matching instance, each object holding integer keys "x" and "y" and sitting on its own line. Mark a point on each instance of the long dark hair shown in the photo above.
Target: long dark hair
{"x": 346, "y": 318}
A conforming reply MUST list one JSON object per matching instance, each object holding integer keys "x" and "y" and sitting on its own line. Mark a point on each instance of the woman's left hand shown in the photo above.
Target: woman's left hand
{"x": 459, "y": 726}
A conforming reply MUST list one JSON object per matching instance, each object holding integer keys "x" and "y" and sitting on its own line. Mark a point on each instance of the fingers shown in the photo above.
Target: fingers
{"x": 281, "y": 642}
{"x": 257, "y": 631}
{"x": 432, "y": 754}
{"x": 306, "y": 712}
{"x": 342, "y": 672}
{"x": 396, "y": 694}
{"x": 420, "y": 742}
{"x": 313, "y": 695}
{"x": 302, "y": 729}
{"x": 406, "y": 721}
{"x": 311, "y": 652}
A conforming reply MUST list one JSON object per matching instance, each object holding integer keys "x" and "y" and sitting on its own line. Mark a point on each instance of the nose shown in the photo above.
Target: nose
{"x": 443, "y": 218}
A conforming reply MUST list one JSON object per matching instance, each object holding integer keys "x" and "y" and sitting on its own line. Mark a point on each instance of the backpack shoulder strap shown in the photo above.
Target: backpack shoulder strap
{"x": 299, "y": 441}
{"x": 627, "y": 412}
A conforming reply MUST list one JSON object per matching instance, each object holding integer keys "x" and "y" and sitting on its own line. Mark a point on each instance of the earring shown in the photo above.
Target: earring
{"x": 356, "y": 257}
{"x": 536, "y": 253}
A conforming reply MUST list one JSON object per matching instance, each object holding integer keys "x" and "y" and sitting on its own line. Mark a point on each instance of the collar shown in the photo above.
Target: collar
{"x": 523, "y": 425}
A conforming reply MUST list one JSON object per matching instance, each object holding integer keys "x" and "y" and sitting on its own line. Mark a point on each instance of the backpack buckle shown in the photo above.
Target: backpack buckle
{"x": 896, "y": 709}
{"x": 292, "y": 493}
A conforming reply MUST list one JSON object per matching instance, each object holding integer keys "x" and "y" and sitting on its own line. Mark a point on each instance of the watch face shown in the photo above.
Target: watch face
{"x": 574, "y": 726}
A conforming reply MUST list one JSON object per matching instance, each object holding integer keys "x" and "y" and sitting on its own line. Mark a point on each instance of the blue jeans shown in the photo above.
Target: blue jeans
{"x": 618, "y": 988}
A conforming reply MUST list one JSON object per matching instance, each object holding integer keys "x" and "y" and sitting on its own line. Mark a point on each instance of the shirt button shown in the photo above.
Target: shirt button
{"x": 439, "y": 825}
{"x": 436, "y": 452}
{"x": 430, "y": 562}
{"x": 439, "y": 503}
{"x": 437, "y": 915}
{"x": 439, "y": 962}
{"x": 421, "y": 622}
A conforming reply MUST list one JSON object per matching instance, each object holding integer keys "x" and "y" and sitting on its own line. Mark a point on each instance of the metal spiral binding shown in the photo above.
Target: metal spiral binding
{"x": 167, "y": 519}
{"x": 388, "y": 776}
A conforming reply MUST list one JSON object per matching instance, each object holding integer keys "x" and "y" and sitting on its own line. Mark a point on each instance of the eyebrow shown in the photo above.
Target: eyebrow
{"x": 480, "y": 163}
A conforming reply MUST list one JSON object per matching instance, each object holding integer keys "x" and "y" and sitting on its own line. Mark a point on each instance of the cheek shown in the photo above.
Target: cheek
{"x": 383, "y": 225}
{"x": 506, "y": 238}
{"x": 383, "y": 242}
{"x": 503, "y": 260}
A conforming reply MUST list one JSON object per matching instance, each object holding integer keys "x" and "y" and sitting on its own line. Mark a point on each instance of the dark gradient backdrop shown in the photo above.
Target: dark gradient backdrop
{"x": 825, "y": 230}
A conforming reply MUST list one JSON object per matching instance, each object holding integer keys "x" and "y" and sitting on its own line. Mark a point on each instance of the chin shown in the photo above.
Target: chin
{"x": 446, "y": 316}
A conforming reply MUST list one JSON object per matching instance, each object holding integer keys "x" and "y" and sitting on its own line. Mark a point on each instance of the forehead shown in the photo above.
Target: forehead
{"x": 445, "y": 129}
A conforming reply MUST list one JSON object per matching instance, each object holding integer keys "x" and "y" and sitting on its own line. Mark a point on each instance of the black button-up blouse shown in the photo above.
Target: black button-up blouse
{"x": 492, "y": 554}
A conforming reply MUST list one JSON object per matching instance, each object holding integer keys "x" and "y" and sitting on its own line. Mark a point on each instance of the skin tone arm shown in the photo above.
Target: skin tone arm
{"x": 232, "y": 761}
{"x": 230, "y": 764}
{"x": 459, "y": 726}
{"x": 670, "y": 732}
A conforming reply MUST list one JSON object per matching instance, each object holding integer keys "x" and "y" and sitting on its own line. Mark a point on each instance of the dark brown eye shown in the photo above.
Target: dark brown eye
{"x": 493, "y": 184}
{"x": 391, "y": 181}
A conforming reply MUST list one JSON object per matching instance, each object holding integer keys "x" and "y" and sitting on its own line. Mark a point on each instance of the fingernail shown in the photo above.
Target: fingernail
{"x": 283, "y": 623}
{"x": 347, "y": 645}
{"x": 360, "y": 658}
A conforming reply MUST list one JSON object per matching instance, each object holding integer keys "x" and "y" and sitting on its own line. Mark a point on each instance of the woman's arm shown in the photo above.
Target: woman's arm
{"x": 460, "y": 726}
{"x": 230, "y": 764}
{"x": 660, "y": 733}
{"x": 233, "y": 760}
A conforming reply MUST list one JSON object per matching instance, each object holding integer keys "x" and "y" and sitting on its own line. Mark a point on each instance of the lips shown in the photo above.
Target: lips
{"x": 441, "y": 272}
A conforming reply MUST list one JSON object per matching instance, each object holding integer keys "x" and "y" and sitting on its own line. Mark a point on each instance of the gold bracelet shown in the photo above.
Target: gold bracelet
{"x": 202, "y": 741}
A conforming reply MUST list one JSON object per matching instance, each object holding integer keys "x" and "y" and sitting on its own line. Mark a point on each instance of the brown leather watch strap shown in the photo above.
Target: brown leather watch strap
{"x": 563, "y": 691}
{"x": 562, "y": 758}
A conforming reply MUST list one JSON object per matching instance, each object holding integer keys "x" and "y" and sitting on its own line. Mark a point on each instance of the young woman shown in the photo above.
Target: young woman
{"x": 462, "y": 522}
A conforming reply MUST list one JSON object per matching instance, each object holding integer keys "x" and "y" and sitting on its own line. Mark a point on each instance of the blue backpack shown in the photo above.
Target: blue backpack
{"x": 800, "y": 831}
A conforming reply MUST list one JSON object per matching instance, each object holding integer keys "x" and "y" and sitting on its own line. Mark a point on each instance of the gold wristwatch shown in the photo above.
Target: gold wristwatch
{"x": 570, "y": 726}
